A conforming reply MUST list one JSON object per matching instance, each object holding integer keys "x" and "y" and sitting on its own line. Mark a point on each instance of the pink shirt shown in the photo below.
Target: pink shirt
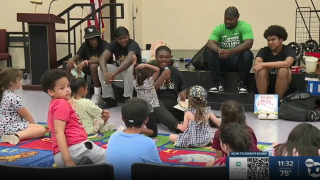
{"x": 60, "y": 109}
{"x": 216, "y": 142}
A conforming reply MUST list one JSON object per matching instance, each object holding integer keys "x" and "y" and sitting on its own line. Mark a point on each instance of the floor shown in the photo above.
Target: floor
{"x": 266, "y": 130}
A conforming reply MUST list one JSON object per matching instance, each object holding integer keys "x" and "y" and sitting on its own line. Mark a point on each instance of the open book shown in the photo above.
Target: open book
{"x": 182, "y": 105}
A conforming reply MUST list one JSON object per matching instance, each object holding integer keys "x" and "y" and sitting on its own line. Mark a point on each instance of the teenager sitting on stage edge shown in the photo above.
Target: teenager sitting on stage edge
{"x": 87, "y": 58}
{"x": 127, "y": 52}
{"x": 272, "y": 65}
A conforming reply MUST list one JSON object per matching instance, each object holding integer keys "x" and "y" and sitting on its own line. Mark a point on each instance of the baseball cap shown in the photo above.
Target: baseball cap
{"x": 135, "y": 111}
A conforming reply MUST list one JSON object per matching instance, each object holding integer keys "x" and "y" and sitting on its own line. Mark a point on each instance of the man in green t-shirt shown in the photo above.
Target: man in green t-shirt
{"x": 229, "y": 50}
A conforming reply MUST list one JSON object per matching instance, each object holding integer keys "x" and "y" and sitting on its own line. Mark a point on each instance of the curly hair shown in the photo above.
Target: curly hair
{"x": 276, "y": 30}
{"x": 48, "y": 80}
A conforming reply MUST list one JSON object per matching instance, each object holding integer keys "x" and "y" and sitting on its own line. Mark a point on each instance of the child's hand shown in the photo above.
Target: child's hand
{"x": 106, "y": 113}
{"x": 141, "y": 66}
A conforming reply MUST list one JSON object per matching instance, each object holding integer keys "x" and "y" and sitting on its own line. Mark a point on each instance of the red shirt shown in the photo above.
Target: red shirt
{"x": 216, "y": 142}
{"x": 60, "y": 109}
{"x": 220, "y": 161}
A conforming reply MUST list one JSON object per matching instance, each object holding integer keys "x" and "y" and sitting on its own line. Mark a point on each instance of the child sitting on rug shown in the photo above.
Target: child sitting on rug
{"x": 233, "y": 137}
{"x": 195, "y": 127}
{"x": 144, "y": 85}
{"x": 232, "y": 112}
{"x": 130, "y": 146}
{"x": 69, "y": 139}
{"x": 16, "y": 123}
{"x": 93, "y": 118}
{"x": 303, "y": 140}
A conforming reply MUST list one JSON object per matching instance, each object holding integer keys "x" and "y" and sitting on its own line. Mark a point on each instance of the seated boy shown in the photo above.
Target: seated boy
{"x": 69, "y": 139}
{"x": 129, "y": 146}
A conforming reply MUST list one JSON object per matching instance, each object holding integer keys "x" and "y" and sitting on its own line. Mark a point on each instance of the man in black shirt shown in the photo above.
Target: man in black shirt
{"x": 87, "y": 58}
{"x": 119, "y": 72}
{"x": 169, "y": 86}
{"x": 272, "y": 64}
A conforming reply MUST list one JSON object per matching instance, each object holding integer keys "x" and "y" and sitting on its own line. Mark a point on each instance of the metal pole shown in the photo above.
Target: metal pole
{"x": 133, "y": 19}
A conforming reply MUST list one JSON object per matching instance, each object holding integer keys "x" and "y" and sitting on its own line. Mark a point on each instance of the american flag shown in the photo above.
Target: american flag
{"x": 101, "y": 26}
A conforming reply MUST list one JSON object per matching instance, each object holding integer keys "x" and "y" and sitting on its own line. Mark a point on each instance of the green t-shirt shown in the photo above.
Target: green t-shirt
{"x": 87, "y": 112}
{"x": 231, "y": 38}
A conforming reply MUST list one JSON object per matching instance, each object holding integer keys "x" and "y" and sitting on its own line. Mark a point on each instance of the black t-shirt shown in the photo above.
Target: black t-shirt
{"x": 267, "y": 55}
{"x": 121, "y": 53}
{"x": 176, "y": 84}
{"x": 86, "y": 52}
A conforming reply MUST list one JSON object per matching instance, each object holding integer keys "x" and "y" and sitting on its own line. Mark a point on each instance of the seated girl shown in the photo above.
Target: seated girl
{"x": 233, "y": 137}
{"x": 195, "y": 128}
{"x": 144, "y": 84}
{"x": 16, "y": 123}
{"x": 232, "y": 112}
{"x": 93, "y": 118}
{"x": 303, "y": 140}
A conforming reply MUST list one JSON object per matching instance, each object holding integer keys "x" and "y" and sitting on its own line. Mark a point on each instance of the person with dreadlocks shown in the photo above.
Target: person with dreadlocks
{"x": 119, "y": 72}
{"x": 87, "y": 58}
{"x": 229, "y": 50}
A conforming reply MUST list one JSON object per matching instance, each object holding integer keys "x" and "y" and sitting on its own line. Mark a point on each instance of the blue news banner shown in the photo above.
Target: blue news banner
{"x": 259, "y": 165}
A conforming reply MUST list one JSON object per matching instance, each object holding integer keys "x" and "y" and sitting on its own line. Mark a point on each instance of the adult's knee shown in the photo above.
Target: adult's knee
{"x": 263, "y": 73}
{"x": 94, "y": 67}
{"x": 247, "y": 56}
{"x": 283, "y": 72}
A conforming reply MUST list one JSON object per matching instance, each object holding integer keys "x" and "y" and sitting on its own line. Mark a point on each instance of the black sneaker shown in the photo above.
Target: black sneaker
{"x": 242, "y": 88}
{"x": 108, "y": 103}
{"x": 217, "y": 87}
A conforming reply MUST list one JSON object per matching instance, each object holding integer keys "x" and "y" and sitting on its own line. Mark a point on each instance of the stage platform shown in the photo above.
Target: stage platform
{"x": 204, "y": 79}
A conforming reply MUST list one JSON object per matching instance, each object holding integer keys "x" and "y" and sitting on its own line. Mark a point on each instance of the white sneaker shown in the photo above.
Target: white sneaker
{"x": 262, "y": 116}
{"x": 272, "y": 116}
{"x": 12, "y": 139}
{"x": 120, "y": 129}
{"x": 96, "y": 99}
{"x": 108, "y": 127}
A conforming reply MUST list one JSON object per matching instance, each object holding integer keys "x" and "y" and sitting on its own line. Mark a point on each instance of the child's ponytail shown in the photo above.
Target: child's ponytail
{"x": 141, "y": 74}
{"x": 232, "y": 112}
{"x": 76, "y": 83}
{"x": 140, "y": 78}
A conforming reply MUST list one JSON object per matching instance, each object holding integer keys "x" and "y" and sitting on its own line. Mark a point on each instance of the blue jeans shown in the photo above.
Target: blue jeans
{"x": 241, "y": 63}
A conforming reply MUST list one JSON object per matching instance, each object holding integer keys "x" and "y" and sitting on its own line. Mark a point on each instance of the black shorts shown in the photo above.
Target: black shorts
{"x": 272, "y": 85}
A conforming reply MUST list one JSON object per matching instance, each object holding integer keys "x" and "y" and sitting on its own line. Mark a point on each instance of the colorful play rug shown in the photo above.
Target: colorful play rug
{"x": 37, "y": 153}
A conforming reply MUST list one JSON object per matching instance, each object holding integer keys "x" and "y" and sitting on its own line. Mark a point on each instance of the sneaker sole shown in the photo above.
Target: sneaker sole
{"x": 111, "y": 126}
{"x": 11, "y": 139}
{"x": 120, "y": 129}
{"x": 214, "y": 91}
{"x": 243, "y": 92}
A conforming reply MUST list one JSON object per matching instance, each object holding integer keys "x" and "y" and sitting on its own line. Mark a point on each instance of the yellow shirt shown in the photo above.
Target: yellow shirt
{"x": 87, "y": 112}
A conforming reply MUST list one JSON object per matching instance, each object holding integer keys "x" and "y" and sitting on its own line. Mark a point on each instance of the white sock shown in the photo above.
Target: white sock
{"x": 97, "y": 90}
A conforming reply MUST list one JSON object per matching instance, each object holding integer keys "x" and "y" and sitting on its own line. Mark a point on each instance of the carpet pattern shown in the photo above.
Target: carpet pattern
{"x": 37, "y": 152}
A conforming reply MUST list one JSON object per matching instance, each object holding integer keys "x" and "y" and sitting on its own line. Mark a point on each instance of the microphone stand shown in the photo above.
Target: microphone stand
{"x": 50, "y": 6}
